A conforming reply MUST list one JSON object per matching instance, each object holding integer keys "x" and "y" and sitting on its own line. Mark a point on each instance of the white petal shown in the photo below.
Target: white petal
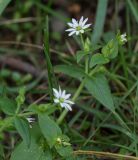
{"x": 63, "y": 94}
{"x": 30, "y": 119}
{"x": 71, "y": 33}
{"x": 81, "y": 20}
{"x": 60, "y": 92}
{"x": 68, "y": 101}
{"x": 86, "y": 26}
{"x": 62, "y": 105}
{"x": 82, "y": 31}
{"x": 75, "y": 23}
{"x": 71, "y": 29}
{"x": 77, "y": 32}
{"x": 67, "y": 106}
{"x": 56, "y": 93}
{"x": 70, "y": 24}
{"x": 67, "y": 96}
{"x": 56, "y": 100}
{"x": 83, "y": 23}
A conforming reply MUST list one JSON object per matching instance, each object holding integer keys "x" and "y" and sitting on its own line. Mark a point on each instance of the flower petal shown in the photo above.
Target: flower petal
{"x": 83, "y": 23}
{"x": 81, "y": 20}
{"x": 67, "y": 106}
{"x": 68, "y": 101}
{"x": 67, "y": 96}
{"x": 56, "y": 93}
{"x": 77, "y": 32}
{"x": 75, "y": 23}
{"x": 71, "y": 29}
{"x": 70, "y": 24}
{"x": 86, "y": 26}
{"x": 56, "y": 100}
{"x": 71, "y": 33}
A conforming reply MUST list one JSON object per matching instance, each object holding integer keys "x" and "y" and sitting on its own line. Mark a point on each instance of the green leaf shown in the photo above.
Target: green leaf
{"x": 70, "y": 70}
{"x": 64, "y": 151}
{"x": 22, "y": 127}
{"x": 98, "y": 87}
{"x": 7, "y": 105}
{"x": 80, "y": 55}
{"x": 21, "y": 97}
{"x": 63, "y": 147}
{"x": 111, "y": 49}
{"x": 3, "y": 4}
{"x": 100, "y": 19}
{"x": 42, "y": 108}
{"x": 34, "y": 152}
{"x": 98, "y": 59}
{"x": 49, "y": 128}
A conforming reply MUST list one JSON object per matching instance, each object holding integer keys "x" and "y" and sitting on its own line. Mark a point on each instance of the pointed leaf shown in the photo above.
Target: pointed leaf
{"x": 111, "y": 49}
{"x": 49, "y": 128}
{"x": 98, "y": 87}
{"x": 70, "y": 70}
{"x": 98, "y": 59}
{"x": 22, "y": 127}
{"x": 3, "y": 4}
{"x": 7, "y": 105}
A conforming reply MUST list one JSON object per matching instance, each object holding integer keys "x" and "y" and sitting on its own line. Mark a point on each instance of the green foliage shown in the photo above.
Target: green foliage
{"x": 98, "y": 59}
{"x": 98, "y": 86}
{"x": 99, "y": 22}
{"x": 7, "y": 105}
{"x": 3, "y": 5}
{"x": 49, "y": 128}
{"x": 22, "y": 127}
{"x": 34, "y": 152}
{"x": 111, "y": 49}
{"x": 21, "y": 97}
{"x": 92, "y": 73}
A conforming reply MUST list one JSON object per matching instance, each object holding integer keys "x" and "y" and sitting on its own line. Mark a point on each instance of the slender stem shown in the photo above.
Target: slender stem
{"x": 87, "y": 64}
{"x": 17, "y": 110}
{"x": 77, "y": 93}
{"x": 82, "y": 41}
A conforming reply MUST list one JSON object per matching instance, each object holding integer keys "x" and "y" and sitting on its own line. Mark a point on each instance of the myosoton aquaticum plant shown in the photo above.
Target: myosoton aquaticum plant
{"x": 40, "y": 125}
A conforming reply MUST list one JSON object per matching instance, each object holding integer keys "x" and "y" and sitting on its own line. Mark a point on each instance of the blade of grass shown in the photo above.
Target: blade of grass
{"x": 99, "y": 22}
{"x": 3, "y": 4}
{"x": 133, "y": 9}
{"x": 51, "y": 76}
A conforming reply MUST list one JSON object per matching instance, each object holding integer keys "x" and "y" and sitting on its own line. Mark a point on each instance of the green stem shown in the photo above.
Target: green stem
{"x": 17, "y": 110}
{"x": 82, "y": 41}
{"x": 87, "y": 64}
{"x": 77, "y": 93}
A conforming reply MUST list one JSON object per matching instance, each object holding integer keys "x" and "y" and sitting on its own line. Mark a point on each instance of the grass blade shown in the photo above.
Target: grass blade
{"x": 133, "y": 9}
{"x": 3, "y": 4}
{"x": 100, "y": 19}
{"x": 51, "y": 76}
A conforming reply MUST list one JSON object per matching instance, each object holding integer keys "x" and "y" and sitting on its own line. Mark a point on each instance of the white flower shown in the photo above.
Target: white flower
{"x": 123, "y": 38}
{"x": 61, "y": 98}
{"x": 30, "y": 120}
{"x": 77, "y": 27}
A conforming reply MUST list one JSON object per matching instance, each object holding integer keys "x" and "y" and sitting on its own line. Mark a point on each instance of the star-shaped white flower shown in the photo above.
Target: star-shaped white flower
{"x": 61, "y": 98}
{"x": 30, "y": 120}
{"x": 77, "y": 27}
{"x": 123, "y": 38}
